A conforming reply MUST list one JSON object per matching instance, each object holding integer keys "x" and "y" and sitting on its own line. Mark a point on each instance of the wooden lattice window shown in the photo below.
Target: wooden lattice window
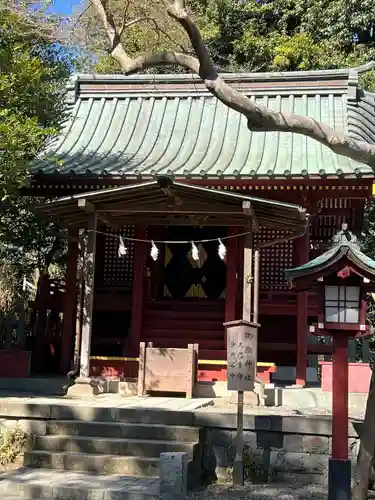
{"x": 274, "y": 260}
{"x": 118, "y": 270}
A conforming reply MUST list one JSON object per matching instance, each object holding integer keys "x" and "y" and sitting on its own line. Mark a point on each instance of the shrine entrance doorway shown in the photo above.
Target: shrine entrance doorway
{"x": 186, "y": 278}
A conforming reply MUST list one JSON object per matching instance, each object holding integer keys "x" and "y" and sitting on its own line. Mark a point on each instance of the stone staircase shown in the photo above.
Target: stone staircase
{"x": 76, "y": 459}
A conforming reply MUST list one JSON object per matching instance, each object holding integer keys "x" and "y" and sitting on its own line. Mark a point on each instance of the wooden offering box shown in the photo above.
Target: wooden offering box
{"x": 167, "y": 370}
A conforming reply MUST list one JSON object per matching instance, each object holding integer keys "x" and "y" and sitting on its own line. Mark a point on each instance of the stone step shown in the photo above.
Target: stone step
{"x": 93, "y": 463}
{"x": 112, "y": 446}
{"x": 99, "y": 414}
{"x": 51, "y": 386}
{"x": 124, "y": 430}
{"x": 111, "y": 465}
{"x": 55, "y": 485}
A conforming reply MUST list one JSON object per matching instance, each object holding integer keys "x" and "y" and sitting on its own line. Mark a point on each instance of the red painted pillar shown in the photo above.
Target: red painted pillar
{"x": 340, "y": 414}
{"x": 70, "y": 304}
{"x": 138, "y": 292}
{"x": 40, "y": 323}
{"x": 302, "y": 251}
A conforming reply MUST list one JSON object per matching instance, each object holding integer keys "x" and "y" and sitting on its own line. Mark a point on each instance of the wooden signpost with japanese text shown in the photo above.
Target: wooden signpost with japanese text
{"x": 242, "y": 340}
{"x": 242, "y": 355}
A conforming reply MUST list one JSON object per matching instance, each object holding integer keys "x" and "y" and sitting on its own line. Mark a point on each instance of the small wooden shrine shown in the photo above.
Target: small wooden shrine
{"x": 124, "y": 135}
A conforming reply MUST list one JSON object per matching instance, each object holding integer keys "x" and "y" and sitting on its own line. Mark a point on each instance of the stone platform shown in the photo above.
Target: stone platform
{"x": 29, "y": 484}
{"x": 285, "y": 443}
{"x": 108, "y": 406}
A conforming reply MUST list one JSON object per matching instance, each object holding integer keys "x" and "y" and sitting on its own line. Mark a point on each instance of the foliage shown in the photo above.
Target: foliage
{"x": 287, "y": 35}
{"x": 33, "y": 71}
{"x": 31, "y": 96}
{"x": 12, "y": 444}
{"x": 254, "y": 470}
{"x": 153, "y": 32}
{"x": 251, "y": 35}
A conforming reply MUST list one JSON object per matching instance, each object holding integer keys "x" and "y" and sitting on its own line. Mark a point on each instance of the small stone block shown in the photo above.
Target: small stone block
{"x": 173, "y": 476}
{"x": 33, "y": 427}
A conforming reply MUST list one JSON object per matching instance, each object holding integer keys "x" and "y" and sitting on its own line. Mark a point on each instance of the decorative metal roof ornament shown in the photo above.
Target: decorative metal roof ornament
{"x": 345, "y": 237}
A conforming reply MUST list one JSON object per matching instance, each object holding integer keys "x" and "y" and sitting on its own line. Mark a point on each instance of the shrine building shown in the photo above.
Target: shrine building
{"x": 182, "y": 162}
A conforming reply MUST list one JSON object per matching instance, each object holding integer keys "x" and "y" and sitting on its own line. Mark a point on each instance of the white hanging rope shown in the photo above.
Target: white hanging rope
{"x": 194, "y": 252}
{"x": 154, "y": 251}
{"x": 222, "y": 251}
{"x": 170, "y": 242}
{"x": 122, "y": 250}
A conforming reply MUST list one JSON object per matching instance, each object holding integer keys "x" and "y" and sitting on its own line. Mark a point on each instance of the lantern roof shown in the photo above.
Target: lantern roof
{"x": 345, "y": 251}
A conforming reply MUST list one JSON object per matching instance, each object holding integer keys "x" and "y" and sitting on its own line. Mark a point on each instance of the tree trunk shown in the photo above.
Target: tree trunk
{"x": 366, "y": 431}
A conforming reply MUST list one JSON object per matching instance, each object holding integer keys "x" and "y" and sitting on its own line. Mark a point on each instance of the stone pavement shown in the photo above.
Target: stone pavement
{"x": 30, "y": 484}
{"x": 265, "y": 492}
{"x": 112, "y": 401}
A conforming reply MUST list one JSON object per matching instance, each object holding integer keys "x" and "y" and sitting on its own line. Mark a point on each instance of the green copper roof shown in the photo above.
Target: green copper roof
{"x": 145, "y": 126}
{"x": 345, "y": 244}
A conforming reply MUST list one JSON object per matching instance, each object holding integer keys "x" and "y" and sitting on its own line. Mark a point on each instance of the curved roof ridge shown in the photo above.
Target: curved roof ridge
{"x": 178, "y": 77}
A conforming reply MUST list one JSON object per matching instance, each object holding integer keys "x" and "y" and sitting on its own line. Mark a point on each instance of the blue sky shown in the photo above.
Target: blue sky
{"x": 64, "y": 6}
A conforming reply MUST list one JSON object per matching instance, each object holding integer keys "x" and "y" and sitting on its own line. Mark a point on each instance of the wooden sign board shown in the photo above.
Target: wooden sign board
{"x": 242, "y": 345}
{"x": 167, "y": 370}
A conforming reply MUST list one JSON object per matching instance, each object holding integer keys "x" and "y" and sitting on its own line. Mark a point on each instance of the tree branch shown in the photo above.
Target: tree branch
{"x": 259, "y": 118}
{"x": 149, "y": 20}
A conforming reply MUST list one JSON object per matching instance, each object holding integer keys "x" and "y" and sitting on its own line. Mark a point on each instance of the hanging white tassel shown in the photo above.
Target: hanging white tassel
{"x": 154, "y": 251}
{"x": 122, "y": 250}
{"x": 222, "y": 251}
{"x": 194, "y": 252}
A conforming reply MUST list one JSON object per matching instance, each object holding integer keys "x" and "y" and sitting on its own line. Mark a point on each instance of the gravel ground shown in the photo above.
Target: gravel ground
{"x": 266, "y": 492}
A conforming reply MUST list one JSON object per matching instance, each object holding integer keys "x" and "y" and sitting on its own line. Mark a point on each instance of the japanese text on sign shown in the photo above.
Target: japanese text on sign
{"x": 242, "y": 357}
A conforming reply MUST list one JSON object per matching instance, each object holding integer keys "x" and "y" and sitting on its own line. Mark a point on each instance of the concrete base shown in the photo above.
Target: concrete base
{"x": 296, "y": 397}
{"x": 83, "y": 388}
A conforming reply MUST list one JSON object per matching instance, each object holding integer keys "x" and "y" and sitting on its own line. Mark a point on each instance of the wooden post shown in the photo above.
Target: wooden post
{"x": 247, "y": 274}
{"x": 231, "y": 286}
{"x": 141, "y": 369}
{"x": 70, "y": 304}
{"x": 256, "y": 285}
{"x": 238, "y": 468}
{"x": 301, "y": 249}
{"x": 88, "y": 301}
{"x": 190, "y": 380}
{"x": 138, "y": 292}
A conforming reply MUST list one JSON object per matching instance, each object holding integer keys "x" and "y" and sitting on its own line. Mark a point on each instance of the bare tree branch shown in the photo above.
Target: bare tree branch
{"x": 259, "y": 118}
{"x": 158, "y": 29}
{"x": 125, "y": 13}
